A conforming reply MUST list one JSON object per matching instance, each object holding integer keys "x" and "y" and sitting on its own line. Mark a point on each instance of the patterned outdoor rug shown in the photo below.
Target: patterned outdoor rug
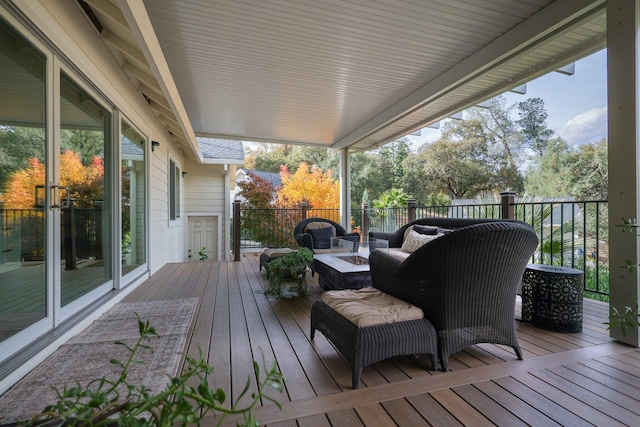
{"x": 87, "y": 355}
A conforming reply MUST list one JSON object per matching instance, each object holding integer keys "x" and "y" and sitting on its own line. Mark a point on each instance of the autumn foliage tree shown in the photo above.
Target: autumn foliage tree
{"x": 85, "y": 183}
{"x": 308, "y": 185}
{"x": 257, "y": 192}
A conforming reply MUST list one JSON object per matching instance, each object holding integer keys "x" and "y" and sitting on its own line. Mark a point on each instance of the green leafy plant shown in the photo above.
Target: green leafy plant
{"x": 293, "y": 267}
{"x": 203, "y": 254}
{"x": 105, "y": 402}
{"x": 630, "y": 317}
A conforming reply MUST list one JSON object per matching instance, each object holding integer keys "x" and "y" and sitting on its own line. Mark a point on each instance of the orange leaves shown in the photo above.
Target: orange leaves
{"x": 21, "y": 189}
{"x": 310, "y": 185}
{"x": 86, "y": 183}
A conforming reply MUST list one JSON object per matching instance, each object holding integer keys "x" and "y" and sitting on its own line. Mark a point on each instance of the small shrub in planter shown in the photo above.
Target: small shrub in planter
{"x": 291, "y": 267}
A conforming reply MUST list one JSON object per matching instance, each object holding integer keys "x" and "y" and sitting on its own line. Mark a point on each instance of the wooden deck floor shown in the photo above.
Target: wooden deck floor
{"x": 565, "y": 379}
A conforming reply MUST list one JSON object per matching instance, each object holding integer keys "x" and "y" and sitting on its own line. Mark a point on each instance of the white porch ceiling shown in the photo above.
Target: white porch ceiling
{"x": 333, "y": 73}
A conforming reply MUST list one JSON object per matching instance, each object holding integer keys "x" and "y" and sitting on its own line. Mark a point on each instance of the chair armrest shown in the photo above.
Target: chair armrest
{"x": 386, "y": 270}
{"x": 352, "y": 237}
{"x": 305, "y": 240}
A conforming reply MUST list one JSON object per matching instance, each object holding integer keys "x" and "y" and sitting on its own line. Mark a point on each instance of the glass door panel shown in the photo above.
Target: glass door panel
{"x": 133, "y": 177}
{"x": 85, "y": 233}
{"x": 23, "y": 287}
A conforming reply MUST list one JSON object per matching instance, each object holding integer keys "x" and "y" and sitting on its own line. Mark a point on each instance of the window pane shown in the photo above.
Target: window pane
{"x": 23, "y": 292}
{"x": 172, "y": 190}
{"x": 132, "y": 155}
{"x": 84, "y": 168}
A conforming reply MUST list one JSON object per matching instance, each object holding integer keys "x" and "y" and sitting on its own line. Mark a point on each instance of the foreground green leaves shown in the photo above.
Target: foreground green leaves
{"x": 104, "y": 402}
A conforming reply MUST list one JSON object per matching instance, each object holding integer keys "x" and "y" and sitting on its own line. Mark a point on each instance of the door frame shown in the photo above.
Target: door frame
{"x": 218, "y": 216}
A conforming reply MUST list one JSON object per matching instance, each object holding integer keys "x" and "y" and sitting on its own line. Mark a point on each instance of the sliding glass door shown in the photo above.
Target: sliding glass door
{"x": 23, "y": 170}
{"x": 57, "y": 192}
{"x": 85, "y": 205}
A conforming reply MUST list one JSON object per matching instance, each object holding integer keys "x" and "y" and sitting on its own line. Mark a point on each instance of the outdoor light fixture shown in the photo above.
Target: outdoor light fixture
{"x": 154, "y": 144}
{"x": 183, "y": 174}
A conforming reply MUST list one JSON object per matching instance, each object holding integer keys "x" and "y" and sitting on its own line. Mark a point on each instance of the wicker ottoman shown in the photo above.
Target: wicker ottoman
{"x": 362, "y": 346}
{"x": 270, "y": 254}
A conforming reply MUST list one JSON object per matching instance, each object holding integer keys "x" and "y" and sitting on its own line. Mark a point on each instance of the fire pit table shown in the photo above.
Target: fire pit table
{"x": 347, "y": 265}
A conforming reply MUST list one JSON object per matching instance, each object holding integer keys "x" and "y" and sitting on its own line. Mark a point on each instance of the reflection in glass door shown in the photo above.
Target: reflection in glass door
{"x": 23, "y": 288}
{"x": 85, "y": 234}
{"x": 133, "y": 178}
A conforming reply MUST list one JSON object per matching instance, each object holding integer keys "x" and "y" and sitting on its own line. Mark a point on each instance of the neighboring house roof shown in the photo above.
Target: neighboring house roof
{"x": 274, "y": 178}
{"x": 221, "y": 151}
{"x": 130, "y": 150}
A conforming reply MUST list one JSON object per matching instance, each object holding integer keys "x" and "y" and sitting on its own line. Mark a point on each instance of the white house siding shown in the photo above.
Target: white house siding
{"x": 204, "y": 193}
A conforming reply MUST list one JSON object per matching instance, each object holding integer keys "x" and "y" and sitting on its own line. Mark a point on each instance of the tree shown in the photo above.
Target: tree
{"x": 589, "y": 167}
{"x": 366, "y": 175}
{"x": 308, "y": 185}
{"x": 532, "y": 124}
{"x": 88, "y": 144}
{"x": 458, "y": 169}
{"x": 551, "y": 175}
{"x": 257, "y": 192}
{"x": 18, "y": 145}
{"x": 393, "y": 155}
{"x": 85, "y": 183}
{"x": 393, "y": 198}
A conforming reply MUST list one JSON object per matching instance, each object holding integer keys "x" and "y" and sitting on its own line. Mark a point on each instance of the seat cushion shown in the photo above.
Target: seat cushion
{"x": 278, "y": 252}
{"x": 369, "y": 306}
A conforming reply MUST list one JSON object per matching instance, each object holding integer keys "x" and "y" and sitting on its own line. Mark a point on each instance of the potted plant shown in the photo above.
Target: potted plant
{"x": 291, "y": 267}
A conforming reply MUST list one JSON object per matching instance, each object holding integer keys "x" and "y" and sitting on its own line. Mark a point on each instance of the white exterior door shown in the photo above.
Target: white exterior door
{"x": 203, "y": 233}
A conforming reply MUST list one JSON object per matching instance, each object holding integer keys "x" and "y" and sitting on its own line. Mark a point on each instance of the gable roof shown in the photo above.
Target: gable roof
{"x": 219, "y": 151}
{"x": 273, "y": 178}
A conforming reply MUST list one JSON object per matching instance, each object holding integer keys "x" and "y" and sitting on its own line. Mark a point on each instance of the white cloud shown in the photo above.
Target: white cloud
{"x": 585, "y": 128}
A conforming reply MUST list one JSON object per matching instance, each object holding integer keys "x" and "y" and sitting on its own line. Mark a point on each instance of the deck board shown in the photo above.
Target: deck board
{"x": 564, "y": 379}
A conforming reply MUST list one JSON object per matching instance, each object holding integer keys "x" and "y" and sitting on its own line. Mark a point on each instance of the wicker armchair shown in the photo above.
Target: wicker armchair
{"x": 465, "y": 281}
{"x": 304, "y": 237}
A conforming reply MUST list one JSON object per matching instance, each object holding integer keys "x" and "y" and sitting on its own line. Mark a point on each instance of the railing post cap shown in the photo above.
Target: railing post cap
{"x": 508, "y": 193}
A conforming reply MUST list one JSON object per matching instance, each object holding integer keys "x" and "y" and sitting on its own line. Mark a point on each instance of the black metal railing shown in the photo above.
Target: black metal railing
{"x": 22, "y": 235}
{"x": 571, "y": 233}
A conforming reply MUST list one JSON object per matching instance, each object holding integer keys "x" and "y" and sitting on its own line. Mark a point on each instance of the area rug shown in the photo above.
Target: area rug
{"x": 87, "y": 355}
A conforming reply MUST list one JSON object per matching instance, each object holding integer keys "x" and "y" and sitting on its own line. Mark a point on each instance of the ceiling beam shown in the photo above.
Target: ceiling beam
{"x": 110, "y": 11}
{"x": 131, "y": 53}
{"x": 516, "y": 41}
{"x": 137, "y": 17}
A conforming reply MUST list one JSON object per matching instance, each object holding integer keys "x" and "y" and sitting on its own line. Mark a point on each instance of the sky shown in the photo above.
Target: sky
{"x": 576, "y": 104}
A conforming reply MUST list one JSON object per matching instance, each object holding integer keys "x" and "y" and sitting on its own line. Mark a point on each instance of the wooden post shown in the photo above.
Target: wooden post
{"x": 508, "y": 198}
{"x": 411, "y": 210}
{"x": 69, "y": 225}
{"x": 236, "y": 230}
{"x": 304, "y": 209}
{"x": 365, "y": 222}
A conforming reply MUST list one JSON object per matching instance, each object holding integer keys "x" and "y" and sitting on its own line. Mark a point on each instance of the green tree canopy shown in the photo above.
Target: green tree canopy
{"x": 551, "y": 175}
{"x": 458, "y": 169}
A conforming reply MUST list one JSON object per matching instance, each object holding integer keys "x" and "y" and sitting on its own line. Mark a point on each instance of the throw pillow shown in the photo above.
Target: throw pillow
{"x": 415, "y": 240}
{"x": 425, "y": 229}
{"x": 321, "y": 237}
